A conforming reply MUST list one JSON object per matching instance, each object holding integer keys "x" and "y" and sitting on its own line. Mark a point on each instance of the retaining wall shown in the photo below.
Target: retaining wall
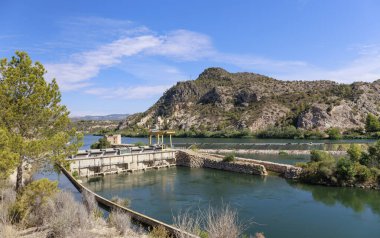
{"x": 197, "y": 160}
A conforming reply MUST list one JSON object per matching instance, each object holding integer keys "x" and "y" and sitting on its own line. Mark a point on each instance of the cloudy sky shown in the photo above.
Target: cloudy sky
{"x": 119, "y": 56}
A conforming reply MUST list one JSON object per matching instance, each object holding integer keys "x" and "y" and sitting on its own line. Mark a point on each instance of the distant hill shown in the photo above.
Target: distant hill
{"x": 111, "y": 117}
{"x": 219, "y": 100}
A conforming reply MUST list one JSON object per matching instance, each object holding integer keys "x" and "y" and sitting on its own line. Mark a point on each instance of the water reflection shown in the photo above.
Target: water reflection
{"x": 354, "y": 198}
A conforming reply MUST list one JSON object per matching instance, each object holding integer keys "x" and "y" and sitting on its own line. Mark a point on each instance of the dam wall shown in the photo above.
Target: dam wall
{"x": 269, "y": 152}
{"x": 100, "y": 165}
{"x": 196, "y": 160}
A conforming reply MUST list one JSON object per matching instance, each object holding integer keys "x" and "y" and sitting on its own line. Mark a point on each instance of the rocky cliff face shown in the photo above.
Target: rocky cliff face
{"x": 219, "y": 100}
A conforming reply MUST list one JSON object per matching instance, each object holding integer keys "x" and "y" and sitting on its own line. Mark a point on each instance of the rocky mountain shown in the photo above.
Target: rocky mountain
{"x": 219, "y": 100}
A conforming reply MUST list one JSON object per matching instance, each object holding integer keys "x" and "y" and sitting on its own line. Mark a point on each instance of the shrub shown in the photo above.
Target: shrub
{"x": 159, "y": 232}
{"x": 210, "y": 223}
{"x": 345, "y": 170}
{"x": 139, "y": 143}
{"x": 222, "y": 223}
{"x": 282, "y": 153}
{"x": 64, "y": 216}
{"x": 121, "y": 201}
{"x": 229, "y": 158}
{"x": 102, "y": 143}
{"x": 7, "y": 199}
{"x": 334, "y": 133}
{"x": 188, "y": 223}
{"x": 355, "y": 152}
{"x": 33, "y": 197}
{"x": 120, "y": 220}
{"x": 91, "y": 204}
{"x": 75, "y": 174}
{"x": 318, "y": 155}
{"x": 362, "y": 173}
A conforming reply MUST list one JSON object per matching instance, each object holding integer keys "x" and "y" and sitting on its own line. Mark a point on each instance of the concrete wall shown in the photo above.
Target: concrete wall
{"x": 285, "y": 170}
{"x": 196, "y": 160}
{"x": 116, "y": 163}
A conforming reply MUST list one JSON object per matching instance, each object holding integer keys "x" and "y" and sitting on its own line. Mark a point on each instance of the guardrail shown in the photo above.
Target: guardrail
{"x": 136, "y": 216}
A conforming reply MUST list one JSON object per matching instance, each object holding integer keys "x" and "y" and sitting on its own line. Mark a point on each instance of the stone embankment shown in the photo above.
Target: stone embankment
{"x": 197, "y": 160}
{"x": 269, "y": 152}
{"x": 285, "y": 170}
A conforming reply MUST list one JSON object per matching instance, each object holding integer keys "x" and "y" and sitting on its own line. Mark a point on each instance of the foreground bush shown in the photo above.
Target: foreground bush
{"x": 210, "y": 223}
{"x": 31, "y": 199}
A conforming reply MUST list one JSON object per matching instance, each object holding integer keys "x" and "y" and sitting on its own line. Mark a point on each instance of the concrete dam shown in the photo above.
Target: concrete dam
{"x": 109, "y": 161}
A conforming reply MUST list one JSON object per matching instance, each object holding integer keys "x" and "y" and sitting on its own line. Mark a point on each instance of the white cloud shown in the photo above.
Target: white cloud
{"x": 183, "y": 45}
{"x": 137, "y": 92}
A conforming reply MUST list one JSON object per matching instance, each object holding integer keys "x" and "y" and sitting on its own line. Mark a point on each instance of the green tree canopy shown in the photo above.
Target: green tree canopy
{"x": 355, "y": 152}
{"x": 102, "y": 143}
{"x": 31, "y": 114}
{"x": 372, "y": 123}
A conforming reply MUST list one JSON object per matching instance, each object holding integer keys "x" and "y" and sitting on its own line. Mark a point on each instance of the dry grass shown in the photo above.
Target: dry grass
{"x": 63, "y": 215}
{"x": 7, "y": 199}
{"x": 222, "y": 223}
{"x": 89, "y": 201}
{"x": 211, "y": 223}
{"x": 187, "y": 222}
{"x": 259, "y": 235}
{"x": 8, "y": 231}
{"x": 159, "y": 232}
{"x": 121, "y": 201}
{"x": 120, "y": 220}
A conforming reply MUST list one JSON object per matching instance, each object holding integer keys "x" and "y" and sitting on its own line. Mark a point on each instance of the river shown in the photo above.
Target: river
{"x": 273, "y": 205}
{"x": 278, "y": 207}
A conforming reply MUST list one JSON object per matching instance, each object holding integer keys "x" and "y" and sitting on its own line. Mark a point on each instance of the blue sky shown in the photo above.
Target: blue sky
{"x": 120, "y": 56}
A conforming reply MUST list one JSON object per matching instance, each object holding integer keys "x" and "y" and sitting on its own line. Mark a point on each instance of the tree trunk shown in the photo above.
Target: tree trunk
{"x": 19, "y": 178}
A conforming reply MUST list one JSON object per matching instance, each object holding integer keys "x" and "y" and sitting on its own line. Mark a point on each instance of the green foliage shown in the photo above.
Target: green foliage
{"x": 318, "y": 156}
{"x": 334, "y": 133}
{"x": 362, "y": 173}
{"x": 345, "y": 170}
{"x": 358, "y": 168}
{"x": 282, "y": 153}
{"x": 355, "y": 152}
{"x": 140, "y": 143}
{"x": 372, "y": 123}
{"x": 8, "y": 159}
{"x": 371, "y": 158}
{"x": 32, "y": 197}
{"x": 32, "y": 114}
{"x": 229, "y": 158}
{"x": 102, "y": 143}
{"x": 75, "y": 174}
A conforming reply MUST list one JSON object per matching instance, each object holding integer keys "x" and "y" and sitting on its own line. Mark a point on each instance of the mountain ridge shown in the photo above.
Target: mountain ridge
{"x": 220, "y": 100}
